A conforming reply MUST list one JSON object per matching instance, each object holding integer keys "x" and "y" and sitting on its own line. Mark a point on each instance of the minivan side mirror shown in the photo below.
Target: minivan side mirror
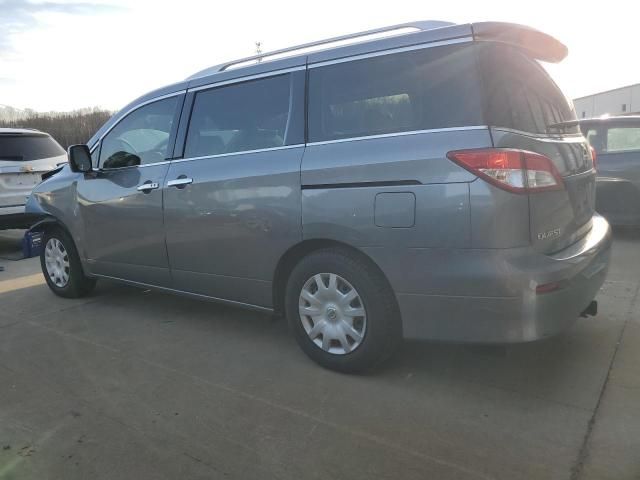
{"x": 80, "y": 158}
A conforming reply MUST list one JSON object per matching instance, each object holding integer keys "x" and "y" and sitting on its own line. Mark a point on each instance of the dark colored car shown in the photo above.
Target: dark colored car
{"x": 616, "y": 141}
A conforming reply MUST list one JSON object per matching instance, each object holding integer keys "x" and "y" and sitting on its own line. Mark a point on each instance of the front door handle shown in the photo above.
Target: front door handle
{"x": 148, "y": 186}
{"x": 180, "y": 182}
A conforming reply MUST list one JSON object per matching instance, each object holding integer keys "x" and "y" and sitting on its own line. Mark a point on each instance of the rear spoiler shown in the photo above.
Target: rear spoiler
{"x": 534, "y": 42}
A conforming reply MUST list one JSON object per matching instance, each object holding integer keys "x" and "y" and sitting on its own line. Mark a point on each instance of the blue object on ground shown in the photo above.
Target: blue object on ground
{"x": 32, "y": 244}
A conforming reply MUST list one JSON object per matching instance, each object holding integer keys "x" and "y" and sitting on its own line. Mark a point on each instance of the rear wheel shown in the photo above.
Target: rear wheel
{"x": 342, "y": 311}
{"x": 61, "y": 266}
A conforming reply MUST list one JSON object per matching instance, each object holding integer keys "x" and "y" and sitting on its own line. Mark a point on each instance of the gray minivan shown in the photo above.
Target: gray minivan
{"x": 409, "y": 186}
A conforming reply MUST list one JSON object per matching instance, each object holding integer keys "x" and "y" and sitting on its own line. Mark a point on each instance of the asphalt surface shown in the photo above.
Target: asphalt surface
{"x": 133, "y": 384}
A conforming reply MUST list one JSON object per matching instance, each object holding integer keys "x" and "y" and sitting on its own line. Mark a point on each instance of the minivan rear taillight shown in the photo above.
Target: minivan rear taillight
{"x": 517, "y": 171}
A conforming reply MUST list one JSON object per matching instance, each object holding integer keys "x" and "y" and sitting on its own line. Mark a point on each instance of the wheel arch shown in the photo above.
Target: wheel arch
{"x": 291, "y": 257}
{"x": 49, "y": 222}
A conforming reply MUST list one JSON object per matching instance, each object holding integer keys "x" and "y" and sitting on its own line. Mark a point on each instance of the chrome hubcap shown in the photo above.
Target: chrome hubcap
{"x": 332, "y": 313}
{"x": 56, "y": 261}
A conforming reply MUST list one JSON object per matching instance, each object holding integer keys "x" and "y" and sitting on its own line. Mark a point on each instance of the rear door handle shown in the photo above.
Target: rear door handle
{"x": 179, "y": 182}
{"x": 148, "y": 186}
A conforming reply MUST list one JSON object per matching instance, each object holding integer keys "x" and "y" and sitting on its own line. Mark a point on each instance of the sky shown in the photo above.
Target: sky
{"x": 63, "y": 55}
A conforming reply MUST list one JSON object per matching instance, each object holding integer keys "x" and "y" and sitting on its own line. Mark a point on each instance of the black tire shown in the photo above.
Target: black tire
{"x": 78, "y": 285}
{"x": 383, "y": 326}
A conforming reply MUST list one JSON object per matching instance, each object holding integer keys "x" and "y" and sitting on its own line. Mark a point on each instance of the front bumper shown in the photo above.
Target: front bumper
{"x": 509, "y": 309}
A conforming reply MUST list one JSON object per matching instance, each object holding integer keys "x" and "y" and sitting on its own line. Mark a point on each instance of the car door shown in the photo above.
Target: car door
{"x": 232, "y": 203}
{"x": 120, "y": 202}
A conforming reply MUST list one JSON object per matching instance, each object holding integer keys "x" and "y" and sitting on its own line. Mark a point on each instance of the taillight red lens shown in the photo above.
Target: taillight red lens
{"x": 517, "y": 171}
{"x": 594, "y": 157}
{"x": 548, "y": 287}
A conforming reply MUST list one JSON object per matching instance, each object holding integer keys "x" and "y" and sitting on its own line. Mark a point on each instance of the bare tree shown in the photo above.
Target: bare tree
{"x": 67, "y": 128}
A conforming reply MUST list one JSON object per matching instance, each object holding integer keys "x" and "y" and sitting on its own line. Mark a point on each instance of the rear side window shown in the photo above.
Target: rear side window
{"x": 240, "y": 117}
{"x": 422, "y": 89}
{"x": 623, "y": 139}
{"x": 24, "y": 148}
{"x": 519, "y": 94}
{"x": 613, "y": 139}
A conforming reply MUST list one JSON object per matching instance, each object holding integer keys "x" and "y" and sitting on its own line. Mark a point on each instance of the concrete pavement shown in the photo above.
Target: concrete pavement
{"x": 134, "y": 384}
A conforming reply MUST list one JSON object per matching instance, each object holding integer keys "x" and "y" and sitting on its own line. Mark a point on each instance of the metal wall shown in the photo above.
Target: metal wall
{"x": 621, "y": 101}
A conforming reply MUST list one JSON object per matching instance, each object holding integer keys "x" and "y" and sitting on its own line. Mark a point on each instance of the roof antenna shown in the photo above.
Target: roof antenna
{"x": 259, "y": 51}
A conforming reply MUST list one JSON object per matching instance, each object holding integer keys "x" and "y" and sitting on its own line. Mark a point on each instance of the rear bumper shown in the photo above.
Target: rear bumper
{"x": 13, "y": 210}
{"x": 509, "y": 309}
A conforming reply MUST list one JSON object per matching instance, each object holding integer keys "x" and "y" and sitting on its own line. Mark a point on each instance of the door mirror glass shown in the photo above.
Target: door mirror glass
{"x": 79, "y": 158}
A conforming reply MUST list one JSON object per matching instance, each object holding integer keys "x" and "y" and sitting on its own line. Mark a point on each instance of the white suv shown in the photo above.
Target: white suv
{"x": 25, "y": 155}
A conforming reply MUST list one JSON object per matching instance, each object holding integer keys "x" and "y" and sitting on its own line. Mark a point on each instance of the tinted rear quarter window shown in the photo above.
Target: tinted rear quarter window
{"x": 423, "y": 89}
{"x": 519, "y": 94}
{"x": 28, "y": 147}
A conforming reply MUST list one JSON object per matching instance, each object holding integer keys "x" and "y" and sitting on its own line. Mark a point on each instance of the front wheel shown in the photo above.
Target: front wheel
{"x": 61, "y": 266}
{"x": 342, "y": 311}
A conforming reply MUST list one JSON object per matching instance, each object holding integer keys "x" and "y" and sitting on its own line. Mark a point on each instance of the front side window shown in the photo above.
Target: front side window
{"x": 623, "y": 139}
{"x": 141, "y": 138}
{"x": 245, "y": 116}
{"x": 423, "y": 89}
{"x": 95, "y": 157}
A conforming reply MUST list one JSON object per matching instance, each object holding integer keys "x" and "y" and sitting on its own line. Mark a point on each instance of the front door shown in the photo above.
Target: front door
{"x": 232, "y": 204}
{"x": 121, "y": 202}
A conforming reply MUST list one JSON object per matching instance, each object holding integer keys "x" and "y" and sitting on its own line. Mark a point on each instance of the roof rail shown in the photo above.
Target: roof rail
{"x": 419, "y": 25}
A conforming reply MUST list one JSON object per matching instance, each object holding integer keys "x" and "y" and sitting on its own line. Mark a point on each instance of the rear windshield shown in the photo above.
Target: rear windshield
{"x": 423, "y": 89}
{"x": 520, "y": 94}
{"x": 19, "y": 148}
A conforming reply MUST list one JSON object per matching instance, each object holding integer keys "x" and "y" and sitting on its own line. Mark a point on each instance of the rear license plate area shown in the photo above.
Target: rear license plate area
{"x": 21, "y": 180}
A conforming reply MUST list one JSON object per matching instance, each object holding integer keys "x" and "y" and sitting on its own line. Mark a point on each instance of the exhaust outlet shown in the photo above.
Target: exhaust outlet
{"x": 591, "y": 310}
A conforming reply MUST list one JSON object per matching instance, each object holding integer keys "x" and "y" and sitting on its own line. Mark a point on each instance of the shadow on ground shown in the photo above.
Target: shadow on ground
{"x": 11, "y": 244}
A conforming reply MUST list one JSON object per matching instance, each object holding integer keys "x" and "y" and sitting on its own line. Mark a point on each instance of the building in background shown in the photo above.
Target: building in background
{"x": 619, "y": 101}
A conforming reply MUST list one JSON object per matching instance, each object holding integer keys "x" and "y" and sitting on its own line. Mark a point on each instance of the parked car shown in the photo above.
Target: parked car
{"x": 400, "y": 186}
{"x": 24, "y": 156}
{"x": 616, "y": 141}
